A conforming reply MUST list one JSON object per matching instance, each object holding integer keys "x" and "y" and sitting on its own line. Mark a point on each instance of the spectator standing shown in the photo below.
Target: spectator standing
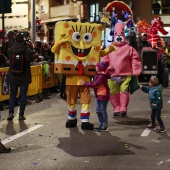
{"x": 167, "y": 51}
{"x": 144, "y": 42}
{"x": 102, "y": 93}
{"x": 22, "y": 80}
{"x": 132, "y": 40}
{"x": 156, "y": 102}
{"x": 11, "y": 40}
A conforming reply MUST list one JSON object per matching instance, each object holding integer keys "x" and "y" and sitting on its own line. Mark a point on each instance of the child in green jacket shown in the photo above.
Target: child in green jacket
{"x": 155, "y": 97}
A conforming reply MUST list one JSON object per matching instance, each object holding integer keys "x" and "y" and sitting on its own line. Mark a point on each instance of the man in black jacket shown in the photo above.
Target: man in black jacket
{"x": 19, "y": 80}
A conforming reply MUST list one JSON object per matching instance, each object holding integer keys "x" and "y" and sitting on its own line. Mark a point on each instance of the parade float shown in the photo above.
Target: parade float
{"x": 114, "y": 12}
{"x": 152, "y": 30}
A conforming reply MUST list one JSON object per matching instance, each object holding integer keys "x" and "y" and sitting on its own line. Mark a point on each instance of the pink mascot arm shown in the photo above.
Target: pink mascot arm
{"x": 136, "y": 63}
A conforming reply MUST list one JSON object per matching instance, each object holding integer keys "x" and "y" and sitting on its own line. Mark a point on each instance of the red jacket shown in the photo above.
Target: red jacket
{"x": 100, "y": 85}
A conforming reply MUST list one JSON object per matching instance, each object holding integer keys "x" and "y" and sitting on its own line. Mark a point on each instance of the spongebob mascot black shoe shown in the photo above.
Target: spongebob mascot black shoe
{"x": 71, "y": 123}
{"x": 87, "y": 126}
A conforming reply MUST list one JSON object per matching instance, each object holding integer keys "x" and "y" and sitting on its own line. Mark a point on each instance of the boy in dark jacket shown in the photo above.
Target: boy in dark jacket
{"x": 155, "y": 97}
{"x": 102, "y": 93}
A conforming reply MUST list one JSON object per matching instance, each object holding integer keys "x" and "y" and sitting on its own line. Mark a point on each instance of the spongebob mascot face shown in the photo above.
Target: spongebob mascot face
{"x": 82, "y": 44}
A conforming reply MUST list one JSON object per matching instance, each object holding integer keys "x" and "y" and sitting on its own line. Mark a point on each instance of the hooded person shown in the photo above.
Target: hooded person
{"x": 102, "y": 94}
{"x": 144, "y": 42}
{"x": 102, "y": 66}
{"x": 123, "y": 64}
{"x": 19, "y": 75}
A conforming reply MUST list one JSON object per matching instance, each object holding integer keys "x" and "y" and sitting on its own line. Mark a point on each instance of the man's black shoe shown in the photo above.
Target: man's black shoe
{"x": 10, "y": 117}
{"x": 21, "y": 118}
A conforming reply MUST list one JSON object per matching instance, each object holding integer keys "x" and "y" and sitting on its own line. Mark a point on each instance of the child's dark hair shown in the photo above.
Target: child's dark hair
{"x": 154, "y": 81}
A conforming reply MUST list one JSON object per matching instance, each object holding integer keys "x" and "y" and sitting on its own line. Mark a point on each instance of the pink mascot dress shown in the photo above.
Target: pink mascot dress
{"x": 124, "y": 63}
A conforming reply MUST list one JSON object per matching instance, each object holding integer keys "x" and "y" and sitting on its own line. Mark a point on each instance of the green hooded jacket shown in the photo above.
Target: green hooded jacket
{"x": 155, "y": 96}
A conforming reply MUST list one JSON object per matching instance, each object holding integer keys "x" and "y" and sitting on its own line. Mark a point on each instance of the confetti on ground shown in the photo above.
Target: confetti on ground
{"x": 120, "y": 140}
{"x": 160, "y": 163}
{"x": 126, "y": 145}
{"x": 34, "y": 163}
{"x": 155, "y": 141}
{"x": 164, "y": 116}
{"x": 87, "y": 161}
{"x": 157, "y": 154}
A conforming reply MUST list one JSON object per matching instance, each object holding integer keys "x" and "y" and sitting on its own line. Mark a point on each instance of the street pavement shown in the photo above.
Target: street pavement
{"x": 42, "y": 142}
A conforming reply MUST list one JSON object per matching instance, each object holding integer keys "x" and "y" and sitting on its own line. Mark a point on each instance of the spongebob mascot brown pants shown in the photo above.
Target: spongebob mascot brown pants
{"x": 75, "y": 90}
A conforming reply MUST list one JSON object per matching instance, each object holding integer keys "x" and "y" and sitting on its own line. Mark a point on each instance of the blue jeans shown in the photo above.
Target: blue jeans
{"x": 101, "y": 111}
{"x": 156, "y": 113}
{"x": 23, "y": 98}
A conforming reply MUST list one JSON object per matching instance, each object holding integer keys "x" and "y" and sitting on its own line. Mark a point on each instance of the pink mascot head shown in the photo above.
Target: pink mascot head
{"x": 119, "y": 34}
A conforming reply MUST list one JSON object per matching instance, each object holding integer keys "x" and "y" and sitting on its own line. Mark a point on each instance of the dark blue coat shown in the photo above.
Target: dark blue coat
{"x": 155, "y": 96}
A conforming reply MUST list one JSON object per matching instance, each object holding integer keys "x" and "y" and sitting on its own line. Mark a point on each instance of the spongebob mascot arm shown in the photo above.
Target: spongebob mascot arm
{"x": 63, "y": 38}
{"x": 108, "y": 50}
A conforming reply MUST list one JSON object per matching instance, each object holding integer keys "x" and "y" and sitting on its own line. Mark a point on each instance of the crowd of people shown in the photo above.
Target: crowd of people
{"x": 41, "y": 54}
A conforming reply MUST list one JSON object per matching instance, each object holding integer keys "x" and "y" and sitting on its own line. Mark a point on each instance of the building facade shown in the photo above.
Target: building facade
{"x": 53, "y": 11}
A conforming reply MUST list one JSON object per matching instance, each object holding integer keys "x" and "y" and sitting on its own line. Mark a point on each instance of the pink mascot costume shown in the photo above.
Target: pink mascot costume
{"x": 124, "y": 63}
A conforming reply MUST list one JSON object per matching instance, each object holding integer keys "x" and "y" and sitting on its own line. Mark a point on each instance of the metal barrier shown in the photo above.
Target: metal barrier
{"x": 36, "y": 86}
{"x": 48, "y": 80}
{"x": 4, "y": 88}
{"x": 39, "y": 81}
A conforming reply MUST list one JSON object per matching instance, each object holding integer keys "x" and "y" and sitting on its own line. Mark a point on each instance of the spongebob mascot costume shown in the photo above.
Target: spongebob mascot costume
{"x": 77, "y": 48}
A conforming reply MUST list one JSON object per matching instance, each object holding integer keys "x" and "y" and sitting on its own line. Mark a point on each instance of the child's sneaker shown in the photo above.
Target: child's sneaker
{"x": 98, "y": 128}
{"x": 104, "y": 128}
{"x": 162, "y": 130}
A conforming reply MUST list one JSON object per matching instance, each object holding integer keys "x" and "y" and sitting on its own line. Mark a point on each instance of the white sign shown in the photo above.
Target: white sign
{"x": 167, "y": 29}
{"x": 165, "y": 19}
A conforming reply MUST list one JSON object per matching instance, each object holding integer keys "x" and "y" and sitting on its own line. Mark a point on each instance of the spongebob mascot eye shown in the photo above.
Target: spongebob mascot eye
{"x": 87, "y": 37}
{"x": 76, "y": 36}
